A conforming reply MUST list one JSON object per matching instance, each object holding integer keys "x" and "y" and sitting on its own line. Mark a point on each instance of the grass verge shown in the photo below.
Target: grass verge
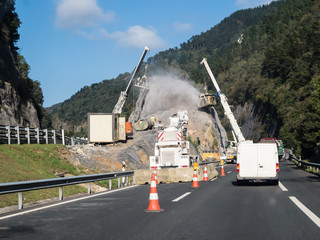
{"x": 33, "y": 162}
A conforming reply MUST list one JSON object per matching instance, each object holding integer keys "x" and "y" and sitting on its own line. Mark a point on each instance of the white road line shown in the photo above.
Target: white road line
{"x": 229, "y": 172}
{"x": 213, "y": 179}
{"x": 283, "y": 188}
{"x": 62, "y": 203}
{"x": 306, "y": 211}
{"x": 182, "y": 196}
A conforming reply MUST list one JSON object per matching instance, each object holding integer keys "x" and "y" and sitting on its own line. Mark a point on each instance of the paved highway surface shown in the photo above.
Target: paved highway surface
{"x": 219, "y": 209}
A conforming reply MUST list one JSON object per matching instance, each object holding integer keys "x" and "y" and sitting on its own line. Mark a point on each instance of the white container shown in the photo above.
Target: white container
{"x": 106, "y": 128}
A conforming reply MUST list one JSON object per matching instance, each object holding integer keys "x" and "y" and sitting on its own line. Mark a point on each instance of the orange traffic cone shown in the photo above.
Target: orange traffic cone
{"x": 155, "y": 174}
{"x": 153, "y": 197}
{"x": 205, "y": 173}
{"x": 195, "y": 182}
{"x": 222, "y": 171}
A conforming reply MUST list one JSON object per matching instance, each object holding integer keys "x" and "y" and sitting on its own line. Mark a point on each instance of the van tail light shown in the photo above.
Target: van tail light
{"x": 238, "y": 168}
{"x": 277, "y": 167}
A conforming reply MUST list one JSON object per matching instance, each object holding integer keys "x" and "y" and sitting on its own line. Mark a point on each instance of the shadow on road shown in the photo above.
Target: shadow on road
{"x": 251, "y": 183}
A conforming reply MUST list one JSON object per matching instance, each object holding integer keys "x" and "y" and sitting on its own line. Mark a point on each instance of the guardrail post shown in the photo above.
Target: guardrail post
{"x": 38, "y": 136}
{"x": 20, "y": 200}
{"x": 54, "y": 137}
{"x": 72, "y": 141}
{"x": 60, "y": 193}
{"x": 123, "y": 169}
{"x": 9, "y": 134}
{"x": 89, "y": 188}
{"x": 28, "y": 134}
{"x": 110, "y": 184}
{"x": 46, "y": 135}
{"x": 119, "y": 183}
{"x": 127, "y": 180}
{"x": 62, "y": 135}
{"x": 18, "y": 134}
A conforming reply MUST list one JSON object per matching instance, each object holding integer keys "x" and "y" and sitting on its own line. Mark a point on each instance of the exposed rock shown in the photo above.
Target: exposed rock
{"x": 135, "y": 153}
{"x": 252, "y": 124}
{"x": 15, "y": 112}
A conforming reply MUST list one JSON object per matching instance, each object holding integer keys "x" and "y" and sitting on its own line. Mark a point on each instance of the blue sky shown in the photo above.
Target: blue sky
{"x": 70, "y": 44}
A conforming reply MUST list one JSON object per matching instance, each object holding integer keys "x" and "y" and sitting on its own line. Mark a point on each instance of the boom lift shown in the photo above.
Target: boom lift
{"x": 225, "y": 104}
{"x": 124, "y": 94}
{"x": 255, "y": 161}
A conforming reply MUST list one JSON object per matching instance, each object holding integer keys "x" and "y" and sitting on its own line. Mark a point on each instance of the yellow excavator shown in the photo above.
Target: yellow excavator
{"x": 207, "y": 100}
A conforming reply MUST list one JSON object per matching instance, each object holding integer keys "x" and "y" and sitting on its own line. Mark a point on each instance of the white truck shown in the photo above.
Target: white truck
{"x": 255, "y": 161}
{"x": 172, "y": 150}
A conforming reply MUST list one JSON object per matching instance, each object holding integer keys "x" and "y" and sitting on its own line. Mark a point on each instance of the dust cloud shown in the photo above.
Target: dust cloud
{"x": 169, "y": 91}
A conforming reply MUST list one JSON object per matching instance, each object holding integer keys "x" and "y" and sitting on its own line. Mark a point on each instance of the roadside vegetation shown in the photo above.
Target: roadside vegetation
{"x": 33, "y": 162}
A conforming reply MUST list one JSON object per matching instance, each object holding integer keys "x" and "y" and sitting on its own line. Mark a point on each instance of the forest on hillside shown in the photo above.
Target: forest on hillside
{"x": 268, "y": 56}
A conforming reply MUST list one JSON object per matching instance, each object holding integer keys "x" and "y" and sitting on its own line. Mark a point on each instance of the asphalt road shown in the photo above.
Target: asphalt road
{"x": 219, "y": 209}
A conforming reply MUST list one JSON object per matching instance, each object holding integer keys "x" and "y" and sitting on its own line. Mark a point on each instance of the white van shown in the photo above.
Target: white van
{"x": 257, "y": 162}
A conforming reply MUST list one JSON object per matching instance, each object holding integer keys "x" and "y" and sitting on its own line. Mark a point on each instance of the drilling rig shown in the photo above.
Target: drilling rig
{"x": 110, "y": 127}
{"x": 255, "y": 161}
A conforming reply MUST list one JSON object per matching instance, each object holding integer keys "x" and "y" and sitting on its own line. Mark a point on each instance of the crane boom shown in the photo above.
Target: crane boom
{"x": 123, "y": 95}
{"x": 225, "y": 105}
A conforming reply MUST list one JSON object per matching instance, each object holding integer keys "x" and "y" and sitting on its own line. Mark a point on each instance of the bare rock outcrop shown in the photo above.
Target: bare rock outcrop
{"x": 14, "y": 111}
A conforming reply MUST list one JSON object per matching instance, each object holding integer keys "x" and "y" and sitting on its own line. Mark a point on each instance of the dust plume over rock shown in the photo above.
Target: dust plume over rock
{"x": 169, "y": 91}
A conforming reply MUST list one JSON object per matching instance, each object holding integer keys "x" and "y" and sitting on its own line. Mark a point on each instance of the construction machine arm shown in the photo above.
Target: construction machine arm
{"x": 225, "y": 105}
{"x": 123, "y": 95}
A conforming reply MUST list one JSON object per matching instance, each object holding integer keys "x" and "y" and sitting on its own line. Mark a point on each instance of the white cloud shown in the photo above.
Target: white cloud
{"x": 136, "y": 36}
{"x": 182, "y": 27}
{"x": 252, "y": 3}
{"x": 77, "y": 14}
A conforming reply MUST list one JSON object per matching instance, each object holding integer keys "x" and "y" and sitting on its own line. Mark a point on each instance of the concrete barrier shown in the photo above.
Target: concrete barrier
{"x": 172, "y": 175}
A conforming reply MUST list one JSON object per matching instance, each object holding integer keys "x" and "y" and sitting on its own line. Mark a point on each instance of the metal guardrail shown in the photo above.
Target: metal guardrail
{"x": 27, "y": 135}
{"x": 306, "y": 165}
{"x": 23, "y": 186}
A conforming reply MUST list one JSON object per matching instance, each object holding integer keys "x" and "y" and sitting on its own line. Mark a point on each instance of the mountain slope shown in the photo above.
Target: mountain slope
{"x": 266, "y": 61}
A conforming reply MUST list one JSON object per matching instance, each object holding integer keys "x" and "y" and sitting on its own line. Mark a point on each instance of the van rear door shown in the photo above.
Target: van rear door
{"x": 247, "y": 158}
{"x": 267, "y": 159}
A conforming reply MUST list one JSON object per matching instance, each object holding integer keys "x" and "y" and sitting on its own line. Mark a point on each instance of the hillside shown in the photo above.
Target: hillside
{"x": 266, "y": 60}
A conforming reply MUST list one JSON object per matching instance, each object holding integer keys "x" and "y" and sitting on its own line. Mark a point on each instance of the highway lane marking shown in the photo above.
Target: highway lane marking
{"x": 62, "y": 203}
{"x": 306, "y": 211}
{"x": 283, "y": 188}
{"x": 182, "y": 196}
{"x": 229, "y": 172}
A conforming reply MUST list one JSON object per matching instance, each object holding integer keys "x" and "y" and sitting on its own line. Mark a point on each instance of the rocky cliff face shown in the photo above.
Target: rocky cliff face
{"x": 14, "y": 109}
{"x": 257, "y": 121}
